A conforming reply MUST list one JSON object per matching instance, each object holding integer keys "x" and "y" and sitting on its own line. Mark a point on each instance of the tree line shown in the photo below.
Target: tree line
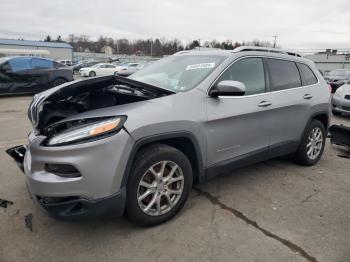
{"x": 157, "y": 47}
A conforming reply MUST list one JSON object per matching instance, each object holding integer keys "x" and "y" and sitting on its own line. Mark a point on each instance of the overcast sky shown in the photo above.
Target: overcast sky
{"x": 298, "y": 23}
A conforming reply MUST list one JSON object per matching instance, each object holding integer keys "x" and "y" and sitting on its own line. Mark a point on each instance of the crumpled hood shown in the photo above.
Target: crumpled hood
{"x": 60, "y": 98}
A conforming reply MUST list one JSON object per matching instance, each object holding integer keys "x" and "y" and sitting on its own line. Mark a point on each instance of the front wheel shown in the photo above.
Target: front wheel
{"x": 58, "y": 82}
{"x": 159, "y": 185}
{"x": 92, "y": 74}
{"x": 312, "y": 144}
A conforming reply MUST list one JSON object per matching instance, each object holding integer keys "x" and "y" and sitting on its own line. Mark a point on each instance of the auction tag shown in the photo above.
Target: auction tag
{"x": 200, "y": 66}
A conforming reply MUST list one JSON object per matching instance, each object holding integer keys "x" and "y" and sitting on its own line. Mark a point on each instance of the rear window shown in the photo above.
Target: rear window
{"x": 309, "y": 77}
{"x": 283, "y": 74}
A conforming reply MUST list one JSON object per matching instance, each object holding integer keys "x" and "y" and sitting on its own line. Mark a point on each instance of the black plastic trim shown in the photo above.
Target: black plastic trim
{"x": 80, "y": 208}
{"x": 160, "y": 137}
{"x": 237, "y": 162}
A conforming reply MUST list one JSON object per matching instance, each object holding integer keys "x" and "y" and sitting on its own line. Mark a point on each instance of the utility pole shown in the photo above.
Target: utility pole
{"x": 151, "y": 47}
{"x": 275, "y": 41}
{"x": 116, "y": 42}
{"x": 199, "y": 43}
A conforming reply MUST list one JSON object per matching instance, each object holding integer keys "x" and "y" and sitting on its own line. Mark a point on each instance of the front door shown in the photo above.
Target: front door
{"x": 238, "y": 127}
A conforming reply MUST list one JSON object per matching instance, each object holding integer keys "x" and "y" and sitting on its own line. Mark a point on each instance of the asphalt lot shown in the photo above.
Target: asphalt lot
{"x": 272, "y": 211}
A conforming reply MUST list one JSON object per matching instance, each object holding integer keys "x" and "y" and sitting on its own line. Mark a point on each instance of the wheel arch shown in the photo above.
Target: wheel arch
{"x": 58, "y": 78}
{"x": 184, "y": 141}
{"x": 322, "y": 116}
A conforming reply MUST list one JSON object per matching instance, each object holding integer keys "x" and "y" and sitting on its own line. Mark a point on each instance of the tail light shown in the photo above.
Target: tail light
{"x": 329, "y": 88}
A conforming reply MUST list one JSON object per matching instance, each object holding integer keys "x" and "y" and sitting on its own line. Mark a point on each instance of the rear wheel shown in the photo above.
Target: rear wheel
{"x": 159, "y": 185}
{"x": 58, "y": 81}
{"x": 312, "y": 144}
{"x": 92, "y": 74}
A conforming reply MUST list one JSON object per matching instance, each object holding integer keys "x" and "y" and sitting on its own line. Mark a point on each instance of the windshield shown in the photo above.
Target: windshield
{"x": 4, "y": 59}
{"x": 178, "y": 73}
{"x": 338, "y": 73}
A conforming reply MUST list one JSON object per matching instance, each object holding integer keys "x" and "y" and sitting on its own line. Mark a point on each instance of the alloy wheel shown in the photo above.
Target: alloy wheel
{"x": 160, "y": 188}
{"x": 314, "y": 143}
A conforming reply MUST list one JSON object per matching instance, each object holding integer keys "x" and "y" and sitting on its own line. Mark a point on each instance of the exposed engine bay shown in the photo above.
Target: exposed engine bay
{"x": 59, "y": 103}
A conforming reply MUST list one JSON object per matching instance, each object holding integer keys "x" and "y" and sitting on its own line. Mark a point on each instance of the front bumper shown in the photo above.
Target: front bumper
{"x": 77, "y": 208}
{"x": 96, "y": 190}
{"x": 340, "y": 104}
{"x": 340, "y": 135}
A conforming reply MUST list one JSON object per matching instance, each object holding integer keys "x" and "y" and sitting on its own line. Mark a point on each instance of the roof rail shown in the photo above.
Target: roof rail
{"x": 264, "y": 49}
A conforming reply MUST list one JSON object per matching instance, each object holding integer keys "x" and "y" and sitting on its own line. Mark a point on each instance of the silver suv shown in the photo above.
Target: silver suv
{"x": 111, "y": 144}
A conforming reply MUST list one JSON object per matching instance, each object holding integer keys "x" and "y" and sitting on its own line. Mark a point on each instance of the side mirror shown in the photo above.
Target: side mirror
{"x": 227, "y": 88}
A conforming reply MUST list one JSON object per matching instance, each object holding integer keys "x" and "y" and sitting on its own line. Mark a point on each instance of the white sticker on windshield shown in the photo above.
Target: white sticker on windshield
{"x": 200, "y": 66}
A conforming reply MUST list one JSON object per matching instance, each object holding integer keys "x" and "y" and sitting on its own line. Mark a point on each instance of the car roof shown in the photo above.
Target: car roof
{"x": 249, "y": 51}
{"x": 7, "y": 58}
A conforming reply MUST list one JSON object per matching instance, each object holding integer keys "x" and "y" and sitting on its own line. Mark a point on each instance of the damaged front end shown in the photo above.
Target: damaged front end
{"x": 17, "y": 153}
{"x": 49, "y": 109}
{"x": 66, "y": 100}
{"x": 340, "y": 135}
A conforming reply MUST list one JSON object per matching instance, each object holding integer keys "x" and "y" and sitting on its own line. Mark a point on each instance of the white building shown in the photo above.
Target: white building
{"x": 53, "y": 50}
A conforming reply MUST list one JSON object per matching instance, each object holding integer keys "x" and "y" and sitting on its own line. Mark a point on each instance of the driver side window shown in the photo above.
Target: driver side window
{"x": 250, "y": 72}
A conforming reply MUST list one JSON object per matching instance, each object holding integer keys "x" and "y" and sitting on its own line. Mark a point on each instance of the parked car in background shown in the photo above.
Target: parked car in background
{"x": 137, "y": 144}
{"x": 123, "y": 67}
{"x": 341, "y": 100}
{"x": 66, "y": 62}
{"x": 30, "y": 75}
{"x": 131, "y": 69}
{"x": 78, "y": 66}
{"x": 337, "y": 78}
{"x": 101, "y": 69}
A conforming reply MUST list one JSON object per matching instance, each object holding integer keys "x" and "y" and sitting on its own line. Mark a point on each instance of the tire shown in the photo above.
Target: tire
{"x": 75, "y": 72}
{"x": 303, "y": 155}
{"x": 156, "y": 156}
{"x": 58, "y": 81}
{"x": 92, "y": 74}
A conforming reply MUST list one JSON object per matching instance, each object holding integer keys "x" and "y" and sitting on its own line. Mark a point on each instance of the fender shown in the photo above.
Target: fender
{"x": 160, "y": 137}
{"x": 323, "y": 112}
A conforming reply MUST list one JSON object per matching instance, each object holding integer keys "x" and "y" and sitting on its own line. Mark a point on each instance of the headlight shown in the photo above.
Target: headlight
{"x": 88, "y": 131}
{"x": 339, "y": 91}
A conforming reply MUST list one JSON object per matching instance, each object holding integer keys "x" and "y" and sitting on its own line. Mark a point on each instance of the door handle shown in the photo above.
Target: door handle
{"x": 307, "y": 96}
{"x": 264, "y": 103}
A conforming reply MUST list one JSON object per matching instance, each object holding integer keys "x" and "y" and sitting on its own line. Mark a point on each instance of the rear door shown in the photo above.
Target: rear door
{"x": 41, "y": 74}
{"x": 290, "y": 105}
{"x": 238, "y": 127}
{"x": 111, "y": 69}
{"x": 102, "y": 70}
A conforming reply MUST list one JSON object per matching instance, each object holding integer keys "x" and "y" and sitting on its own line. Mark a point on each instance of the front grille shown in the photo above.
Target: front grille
{"x": 347, "y": 97}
